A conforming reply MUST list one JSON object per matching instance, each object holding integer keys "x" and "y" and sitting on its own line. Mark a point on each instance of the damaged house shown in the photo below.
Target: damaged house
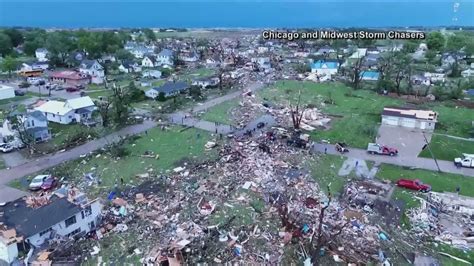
{"x": 30, "y": 222}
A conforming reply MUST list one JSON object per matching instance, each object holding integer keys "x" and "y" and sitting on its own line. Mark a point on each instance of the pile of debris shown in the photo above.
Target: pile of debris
{"x": 448, "y": 217}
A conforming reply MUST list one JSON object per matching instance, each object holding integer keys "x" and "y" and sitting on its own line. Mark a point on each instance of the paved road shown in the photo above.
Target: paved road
{"x": 422, "y": 163}
{"x": 45, "y": 162}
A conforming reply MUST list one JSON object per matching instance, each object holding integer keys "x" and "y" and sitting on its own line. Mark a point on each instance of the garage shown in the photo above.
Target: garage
{"x": 409, "y": 118}
{"x": 390, "y": 120}
{"x": 6, "y": 92}
{"x": 410, "y": 123}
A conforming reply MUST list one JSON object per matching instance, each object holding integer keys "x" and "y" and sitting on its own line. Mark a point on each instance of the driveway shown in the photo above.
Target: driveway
{"x": 8, "y": 194}
{"x": 13, "y": 159}
{"x": 409, "y": 142}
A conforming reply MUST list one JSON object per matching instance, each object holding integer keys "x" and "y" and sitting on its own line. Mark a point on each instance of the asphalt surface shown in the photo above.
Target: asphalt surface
{"x": 401, "y": 160}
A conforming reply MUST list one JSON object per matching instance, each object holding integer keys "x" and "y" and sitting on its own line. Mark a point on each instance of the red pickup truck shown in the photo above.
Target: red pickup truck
{"x": 413, "y": 185}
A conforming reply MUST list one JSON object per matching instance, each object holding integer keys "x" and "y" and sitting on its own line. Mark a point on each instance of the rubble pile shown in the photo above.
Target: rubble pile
{"x": 446, "y": 217}
{"x": 251, "y": 205}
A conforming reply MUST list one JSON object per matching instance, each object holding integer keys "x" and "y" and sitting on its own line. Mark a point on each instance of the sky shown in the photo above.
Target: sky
{"x": 235, "y": 13}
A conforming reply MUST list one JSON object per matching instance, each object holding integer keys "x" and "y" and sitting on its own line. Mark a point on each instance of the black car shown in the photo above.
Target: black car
{"x": 20, "y": 93}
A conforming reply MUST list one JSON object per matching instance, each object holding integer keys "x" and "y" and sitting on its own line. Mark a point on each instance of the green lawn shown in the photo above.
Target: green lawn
{"x": 62, "y": 134}
{"x": 16, "y": 99}
{"x": 2, "y": 164}
{"x": 356, "y": 114}
{"x": 324, "y": 170}
{"x": 446, "y": 148}
{"x": 454, "y": 121}
{"x": 440, "y": 182}
{"x": 99, "y": 93}
{"x": 171, "y": 145}
{"x": 221, "y": 113}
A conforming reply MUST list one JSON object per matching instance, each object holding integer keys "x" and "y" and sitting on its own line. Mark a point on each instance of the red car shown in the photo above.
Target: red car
{"x": 414, "y": 185}
{"x": 72, "y": 89}
{"x": 49, "y": 183}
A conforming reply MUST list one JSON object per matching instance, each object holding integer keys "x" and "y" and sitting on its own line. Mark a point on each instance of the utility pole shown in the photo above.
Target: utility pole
{"x": 431, "y": 152}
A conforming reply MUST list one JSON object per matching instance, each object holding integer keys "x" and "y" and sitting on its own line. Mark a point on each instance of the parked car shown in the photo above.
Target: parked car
{"x": 466, "y": 161}
{"x": 414, "y": 185}
{"x": 49, "y": 183}
{"x": 374, "y": 148}
{"x": 59, "y": 88}
{"x": 38, "y": 181}
{"x": 341, "y": 147}
{"x": 72, "y": 89}
{"x": 20, "y": 92}
{"x": 5, "y": 148}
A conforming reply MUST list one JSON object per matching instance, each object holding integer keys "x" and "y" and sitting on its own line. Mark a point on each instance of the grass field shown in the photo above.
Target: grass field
{"x": 324, "y": 170}
{"x": 221, "y": 113}
{"x": 173, "y": 146}
{"x": 99, "y": 93}
{"x": 440, "y": 182}
{"x": 446, "y": 148}
{"x": 454, "y": 121}
{"x": 356, "y": 113}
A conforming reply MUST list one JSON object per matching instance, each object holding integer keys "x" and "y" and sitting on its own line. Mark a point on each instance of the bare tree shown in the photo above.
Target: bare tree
{"x": 103, "y": 107}
{"x": 356, "y": 74}
{"x": 297, "y": 112}
{"x": 321, "y": 240}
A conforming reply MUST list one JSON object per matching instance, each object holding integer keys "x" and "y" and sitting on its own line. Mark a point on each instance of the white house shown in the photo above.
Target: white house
{"x": 93, "y": 69}
{"x": 467, "y": 73}
{"x": 41, "y": 54}
{"x": 409, "y": 118}
{"x": 435, "y": 77}
{"x": 6, "y": 92}
{"x": 67, "y": 213}
{"x": 151, "y": 74}
{"x": 129, "y": 67}
{"x": 325, "y": 67}
{"x": 262, "y": 49}
{"x": 206, "y": 82}
{"x": 149, "y": 61}
{"x": 36, "y": 125}
{"x": 72, "y": 111}
{"x": 33, "y": 66}
{"x": 165, "y": 57}
{"x": 359, "y": 53}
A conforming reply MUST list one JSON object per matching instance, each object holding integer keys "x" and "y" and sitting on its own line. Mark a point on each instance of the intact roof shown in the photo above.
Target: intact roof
{"x": 170, "y": 87}
{"x": 28, "y": 221}
{"x": 88, "y": 63}
{"x": 151, "y": 57}
{"x": 410, "y": 113}
{"x": 38, "y": 115}
{"x": 166, "y": 52}
{"x": 325, "y": 64}
{"x": 81, "y": 102}
{"x": 54, "y": 107}
{"x": 370, "y": 74}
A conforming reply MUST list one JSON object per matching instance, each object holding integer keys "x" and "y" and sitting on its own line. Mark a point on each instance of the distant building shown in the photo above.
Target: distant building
{"x": 325, "y": 67}
{"x": 69, "y": 77}
{"x": 41, "y": 54}
{"x": 369, "y": 75}
{"x": 165, "y": 57}
{"x": 94, "y": 70}
{"x": 169, "y": 89}
{"x": 149, "y": 61}
{"x": 129, "y": 67}
{"x": 409, "y": 118}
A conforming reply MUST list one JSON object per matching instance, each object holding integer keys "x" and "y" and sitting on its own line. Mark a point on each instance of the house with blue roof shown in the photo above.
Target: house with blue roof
{"x": 325, "y": 67}
{"x": 470, "y": 92}
{"x": 370, "y": 75}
